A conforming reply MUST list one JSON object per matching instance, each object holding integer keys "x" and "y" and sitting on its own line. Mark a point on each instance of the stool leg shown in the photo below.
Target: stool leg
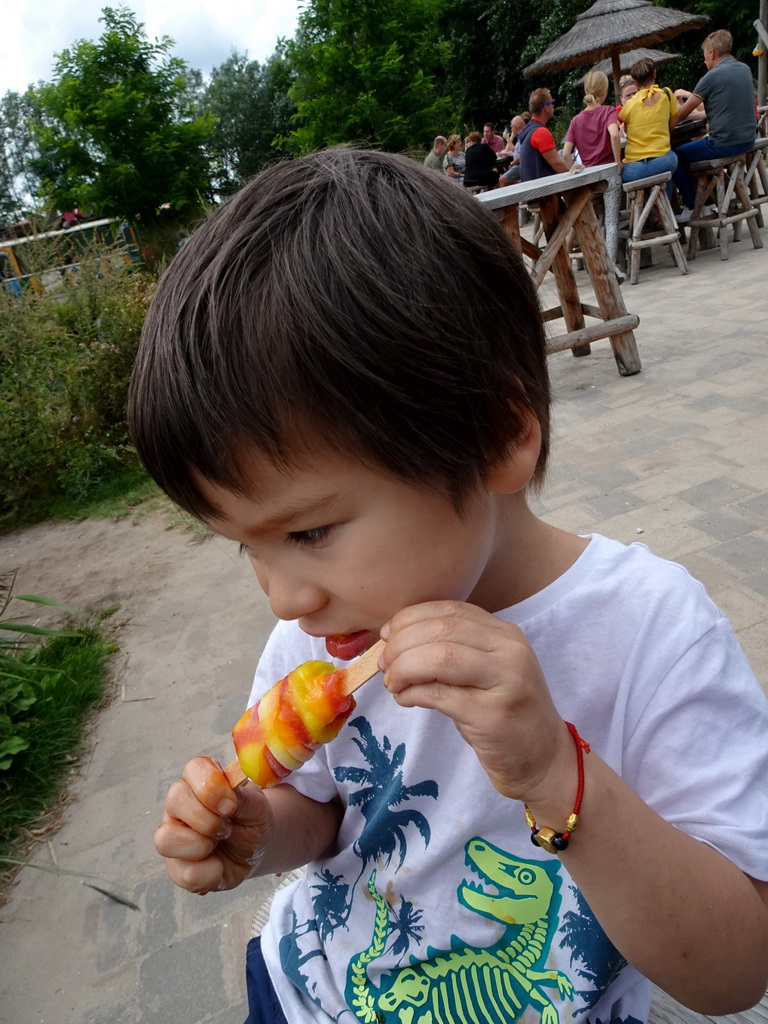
{"x": 729, "y": 207}
{"x": 634, "y": 259}
{"x": 667, "y": 219}
{"x": 762, "y": 174}
{"x": 746, "y": 203}
{"x": 722, "y": 230}
{"x": 693, "y": 235}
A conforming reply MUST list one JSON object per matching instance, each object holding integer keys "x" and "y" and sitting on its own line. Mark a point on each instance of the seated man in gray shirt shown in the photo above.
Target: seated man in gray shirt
{"x": 728, "y": 94}
{"x": 434, "y": 158}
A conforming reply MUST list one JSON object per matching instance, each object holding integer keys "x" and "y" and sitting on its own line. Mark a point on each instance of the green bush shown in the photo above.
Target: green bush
{"x": 49, "y": 680}
{"x": 65, "y": 363}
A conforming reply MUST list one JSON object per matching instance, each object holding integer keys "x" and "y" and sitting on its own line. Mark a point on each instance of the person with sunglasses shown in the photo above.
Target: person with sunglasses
{"x": 538, "y": 151}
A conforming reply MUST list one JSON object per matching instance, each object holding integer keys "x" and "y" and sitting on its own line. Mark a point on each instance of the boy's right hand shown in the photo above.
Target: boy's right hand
{"x": 211, "y": 836}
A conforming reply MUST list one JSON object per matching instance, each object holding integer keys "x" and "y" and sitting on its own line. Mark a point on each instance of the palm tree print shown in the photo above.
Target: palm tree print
{"x": 330, "y": 902}
{"x": 589, "y": 944}
{"x": 382, "y": 789}
{"x": 404, "y": 927}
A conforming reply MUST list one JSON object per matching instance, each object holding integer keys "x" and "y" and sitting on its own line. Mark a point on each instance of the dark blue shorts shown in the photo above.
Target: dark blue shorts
{"x": 263, "y": 1004}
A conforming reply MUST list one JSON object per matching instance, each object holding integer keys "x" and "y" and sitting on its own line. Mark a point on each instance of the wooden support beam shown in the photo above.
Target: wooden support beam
{"x": 558, "y": 238}
{"x": 586, "y": 335}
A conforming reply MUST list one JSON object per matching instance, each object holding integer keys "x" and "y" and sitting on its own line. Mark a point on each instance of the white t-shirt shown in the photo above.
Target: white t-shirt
{"x": 408, "y": 920}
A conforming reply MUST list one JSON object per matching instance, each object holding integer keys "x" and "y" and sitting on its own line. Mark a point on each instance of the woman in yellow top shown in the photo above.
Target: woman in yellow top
{"x": 646, "y": 116}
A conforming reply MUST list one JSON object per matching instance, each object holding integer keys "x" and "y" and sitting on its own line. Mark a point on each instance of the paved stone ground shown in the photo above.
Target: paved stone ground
{"x": 676, "y": 457}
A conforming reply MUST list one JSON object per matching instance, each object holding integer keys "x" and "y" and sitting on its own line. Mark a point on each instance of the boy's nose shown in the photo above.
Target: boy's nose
{"x": 290, "y": 598}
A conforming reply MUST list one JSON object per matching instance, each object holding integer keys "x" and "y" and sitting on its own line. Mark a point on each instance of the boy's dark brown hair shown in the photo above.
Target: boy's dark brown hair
{"x": 309, "y": 312}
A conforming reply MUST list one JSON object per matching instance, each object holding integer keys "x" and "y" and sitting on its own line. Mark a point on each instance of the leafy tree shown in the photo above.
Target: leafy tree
{"x": 253, "y": 112}
{"x": 115, "y": 130}
{"x": 368, "y": 73}
{"x": 492, "y": 43}
{"x": 17, "y": 179}
{"x": 735, "y": 15}
{"x": 485, "y": 77}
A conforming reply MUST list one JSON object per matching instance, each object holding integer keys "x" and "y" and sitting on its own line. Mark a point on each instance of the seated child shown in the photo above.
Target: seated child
{"x": 292, "y": 393}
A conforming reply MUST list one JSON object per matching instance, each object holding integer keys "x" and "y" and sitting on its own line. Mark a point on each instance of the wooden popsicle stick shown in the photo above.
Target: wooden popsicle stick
{"x": 363, "y": 668}
{"x": 360, "y": 671}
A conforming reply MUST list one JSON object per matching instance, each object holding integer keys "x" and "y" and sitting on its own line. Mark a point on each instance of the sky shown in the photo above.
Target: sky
{"x": 205, "y": 31}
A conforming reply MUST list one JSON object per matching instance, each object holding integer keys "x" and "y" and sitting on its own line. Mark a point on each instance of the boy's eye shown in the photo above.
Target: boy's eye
{"x": 309, "y": 538}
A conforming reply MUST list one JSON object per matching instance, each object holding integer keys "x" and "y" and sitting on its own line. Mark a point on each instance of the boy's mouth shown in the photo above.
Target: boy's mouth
{"x": 346, "y": 646}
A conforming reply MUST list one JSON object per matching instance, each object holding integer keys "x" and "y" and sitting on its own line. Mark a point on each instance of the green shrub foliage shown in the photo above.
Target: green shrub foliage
{"x": 50, "y": 679}
{"x": 65, "y": 362}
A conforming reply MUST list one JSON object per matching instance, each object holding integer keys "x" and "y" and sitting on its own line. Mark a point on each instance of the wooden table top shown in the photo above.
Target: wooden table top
{"x": 552, "y": 185}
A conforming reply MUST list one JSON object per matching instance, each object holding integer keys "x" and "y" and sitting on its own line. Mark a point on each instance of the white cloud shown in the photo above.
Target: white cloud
{"x": 205, "y": 31}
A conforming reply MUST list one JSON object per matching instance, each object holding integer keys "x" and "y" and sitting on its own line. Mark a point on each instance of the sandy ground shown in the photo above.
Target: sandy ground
{"x": 192, "y": 621}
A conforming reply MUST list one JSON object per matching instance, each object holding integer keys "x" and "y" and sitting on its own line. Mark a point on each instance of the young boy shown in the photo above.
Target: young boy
{"x": 291, "y": 392}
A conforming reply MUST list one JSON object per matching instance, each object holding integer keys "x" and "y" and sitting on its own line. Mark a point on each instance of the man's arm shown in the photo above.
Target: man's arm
{"x": 555, "y": 161}
{"x": 690, "y": 104}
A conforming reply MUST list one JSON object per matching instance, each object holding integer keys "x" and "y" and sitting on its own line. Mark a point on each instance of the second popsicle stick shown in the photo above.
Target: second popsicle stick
{"x": 360, "y": 671}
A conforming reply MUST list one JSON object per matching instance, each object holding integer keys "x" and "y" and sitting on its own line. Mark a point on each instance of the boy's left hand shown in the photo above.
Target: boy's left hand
{"x": 482, "y": 673}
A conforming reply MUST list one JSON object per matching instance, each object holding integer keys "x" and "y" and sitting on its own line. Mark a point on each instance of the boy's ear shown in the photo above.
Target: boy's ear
{"x": 514, "y": 472}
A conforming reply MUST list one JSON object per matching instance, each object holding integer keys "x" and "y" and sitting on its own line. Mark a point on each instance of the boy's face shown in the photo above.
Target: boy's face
{"x": 341, "y": 547}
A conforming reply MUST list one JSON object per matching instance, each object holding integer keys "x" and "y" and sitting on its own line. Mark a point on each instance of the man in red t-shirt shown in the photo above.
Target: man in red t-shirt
{"x": 538, "y": 151}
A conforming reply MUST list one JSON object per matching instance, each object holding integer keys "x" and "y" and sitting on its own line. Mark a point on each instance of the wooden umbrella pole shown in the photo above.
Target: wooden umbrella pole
{"x": 616, "y": 66}
{"x": 762, "y": 60}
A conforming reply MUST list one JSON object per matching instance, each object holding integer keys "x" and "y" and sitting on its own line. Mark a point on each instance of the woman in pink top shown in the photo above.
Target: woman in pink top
{"x": 596, "y": 135}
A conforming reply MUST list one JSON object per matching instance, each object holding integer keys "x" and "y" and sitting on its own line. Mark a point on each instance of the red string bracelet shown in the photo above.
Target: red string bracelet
{"x": 547, "y": 838}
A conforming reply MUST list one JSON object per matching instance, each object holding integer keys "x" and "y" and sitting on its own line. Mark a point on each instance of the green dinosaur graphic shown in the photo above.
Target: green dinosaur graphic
{"x": 491, "y": 985}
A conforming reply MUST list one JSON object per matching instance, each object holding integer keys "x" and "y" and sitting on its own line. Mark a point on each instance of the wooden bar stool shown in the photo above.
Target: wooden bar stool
{"x": 638, "y": 235}
{"x": 722, "y": 182}
{"x": 756, "y": 178}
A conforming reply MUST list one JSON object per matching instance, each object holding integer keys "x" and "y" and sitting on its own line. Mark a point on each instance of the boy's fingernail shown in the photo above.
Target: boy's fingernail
{"x": 225, "y": 831}
{"x": 227, "y": 807}
{"x": 385, "y": 631}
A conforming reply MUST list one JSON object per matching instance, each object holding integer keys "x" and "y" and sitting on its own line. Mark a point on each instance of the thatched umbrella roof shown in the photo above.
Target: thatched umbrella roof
{"x": 608, "y": 28}
{"x": 631, "y": 57}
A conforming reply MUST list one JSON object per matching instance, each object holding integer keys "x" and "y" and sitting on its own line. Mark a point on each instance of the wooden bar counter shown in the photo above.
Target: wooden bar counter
{"x": 565, "y": 204}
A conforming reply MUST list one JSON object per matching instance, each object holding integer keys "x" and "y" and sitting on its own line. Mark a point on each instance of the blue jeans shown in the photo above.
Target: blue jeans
{"x": 263, "y": 1004}
{"x": 637, "y": 169}
{"x": 689, "y": 153}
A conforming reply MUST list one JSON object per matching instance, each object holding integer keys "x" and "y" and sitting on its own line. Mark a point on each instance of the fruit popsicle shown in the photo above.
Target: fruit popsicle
{"x": 295, "y": 717}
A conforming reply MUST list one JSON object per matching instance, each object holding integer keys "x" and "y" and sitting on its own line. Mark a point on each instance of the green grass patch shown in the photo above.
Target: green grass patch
{"x": 131, "y": 494}
{"x": 114, "y": 499}
{"x": 45, "y": 700}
